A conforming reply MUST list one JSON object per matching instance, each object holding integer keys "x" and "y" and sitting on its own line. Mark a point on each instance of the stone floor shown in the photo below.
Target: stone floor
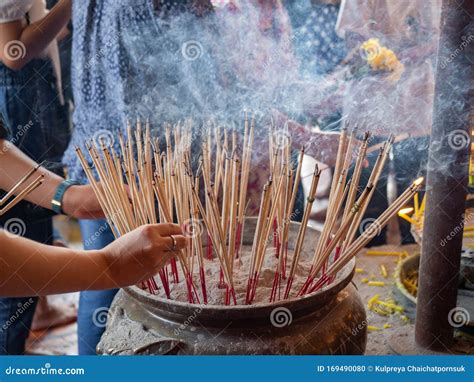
{"x": 377, "y": 342}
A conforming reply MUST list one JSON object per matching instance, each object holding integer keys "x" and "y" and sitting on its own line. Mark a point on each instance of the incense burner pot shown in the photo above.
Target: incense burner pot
{"x": 329, "y": 321}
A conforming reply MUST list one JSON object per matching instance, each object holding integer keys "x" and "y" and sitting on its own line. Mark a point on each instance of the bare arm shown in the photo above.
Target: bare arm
{"x": 28, "y": 268}
{"x": 78, "y": 201}
{"x": 35, "y": 37}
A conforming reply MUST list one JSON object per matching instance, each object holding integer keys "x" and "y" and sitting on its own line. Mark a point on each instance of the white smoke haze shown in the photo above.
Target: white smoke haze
{"x": 209, "y": 68}
{"x": 215, "y": 66}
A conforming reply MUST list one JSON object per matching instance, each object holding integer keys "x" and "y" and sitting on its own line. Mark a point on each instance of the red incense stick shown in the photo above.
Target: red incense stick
{"x": 202, "y": 276}
{"x": 174, "y": 270}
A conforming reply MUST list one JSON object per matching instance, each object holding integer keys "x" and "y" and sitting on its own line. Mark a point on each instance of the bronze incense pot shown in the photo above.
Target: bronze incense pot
{"x": 329, "y": 321}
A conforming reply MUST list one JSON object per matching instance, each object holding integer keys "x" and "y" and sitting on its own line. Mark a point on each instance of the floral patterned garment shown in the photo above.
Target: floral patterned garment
{"x": 134, "y": 58}
{"x": 314, "y": 37}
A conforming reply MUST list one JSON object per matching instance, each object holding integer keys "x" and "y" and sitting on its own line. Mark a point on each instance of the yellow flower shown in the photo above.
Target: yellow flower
{"x": 381, "y": 58}
{"x": 371, "y": 48}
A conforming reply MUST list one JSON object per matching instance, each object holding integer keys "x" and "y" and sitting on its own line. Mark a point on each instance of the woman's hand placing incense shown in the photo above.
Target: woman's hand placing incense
{"x": 129, "y": 260}
{"x": 142, "y": 253}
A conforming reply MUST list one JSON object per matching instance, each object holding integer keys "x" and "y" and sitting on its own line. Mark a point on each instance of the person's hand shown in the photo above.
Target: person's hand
{"x": 82, "y": 203}
{"x": 142, "y": 253}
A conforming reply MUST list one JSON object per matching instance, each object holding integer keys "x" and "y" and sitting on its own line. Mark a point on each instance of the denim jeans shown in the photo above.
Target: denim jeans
{"x": 16, "y": 314}
{"x": 36, "y": 121}
{"x": 37, "y": 124}
{"x": 93, "y": 305}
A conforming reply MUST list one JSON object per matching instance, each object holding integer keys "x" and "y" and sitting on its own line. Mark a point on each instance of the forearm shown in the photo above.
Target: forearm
{"x": 36, "y": 36}
{"x": 78, "y": 201}
{"x": 32, "y": 269}
{"x": 14, "y": 164}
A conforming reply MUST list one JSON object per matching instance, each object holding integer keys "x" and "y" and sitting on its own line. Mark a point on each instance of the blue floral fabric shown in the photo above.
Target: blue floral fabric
{"x": 135, "y": 59}
{"x": 315, "y": 40}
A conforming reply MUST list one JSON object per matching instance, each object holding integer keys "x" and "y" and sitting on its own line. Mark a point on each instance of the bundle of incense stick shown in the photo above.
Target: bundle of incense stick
{"x": 154, "y": 180}
{"x": 337, "y": 244}
{"x": 8, "y": 201}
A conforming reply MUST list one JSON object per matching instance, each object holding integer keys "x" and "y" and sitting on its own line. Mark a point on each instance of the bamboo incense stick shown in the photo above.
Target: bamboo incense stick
{"x": 22, "y": 194}
{"x": 18, "y": 184}
{"x": 141, "y": 184}
{"x": 379, "y": 223}
{"x": 302, "y": 230}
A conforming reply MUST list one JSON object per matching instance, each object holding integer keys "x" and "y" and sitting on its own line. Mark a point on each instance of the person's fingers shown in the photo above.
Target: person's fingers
{"x": 166, "y": 229}
{"x": 178, "y": 243}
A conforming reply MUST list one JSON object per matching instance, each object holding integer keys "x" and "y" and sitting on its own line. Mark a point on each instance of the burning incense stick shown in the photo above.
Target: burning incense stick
{"x": 375, "y": 227}
{"x": 147, "y": 183}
